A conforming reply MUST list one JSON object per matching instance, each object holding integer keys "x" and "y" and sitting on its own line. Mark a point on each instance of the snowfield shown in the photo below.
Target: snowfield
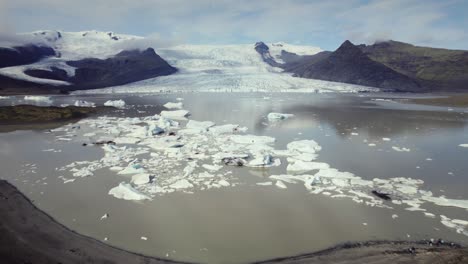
{"x": 206, "y": 68}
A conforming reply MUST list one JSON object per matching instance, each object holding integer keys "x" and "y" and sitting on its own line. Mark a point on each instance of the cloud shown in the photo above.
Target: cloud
{"x": 224, "y": 21}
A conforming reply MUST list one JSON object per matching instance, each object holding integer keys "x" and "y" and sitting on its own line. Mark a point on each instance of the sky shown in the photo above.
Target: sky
{"x": 319, "y": 23}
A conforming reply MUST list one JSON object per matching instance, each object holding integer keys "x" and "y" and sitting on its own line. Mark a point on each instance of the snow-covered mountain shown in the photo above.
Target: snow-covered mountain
{"x": 200, "y": 67}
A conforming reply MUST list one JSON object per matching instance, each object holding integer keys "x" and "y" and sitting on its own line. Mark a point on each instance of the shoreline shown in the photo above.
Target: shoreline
{"x": 30, "y": 235}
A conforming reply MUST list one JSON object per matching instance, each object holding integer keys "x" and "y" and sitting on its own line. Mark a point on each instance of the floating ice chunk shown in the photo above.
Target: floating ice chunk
{"x": 281, "y": 185}
{"x": 304, "y": 166}
{"x": 200, "y": 125}
{"x": 224, "y": 183}
{"x": 143, "y": 238}
{"x": 430, "y": 215}
{"x": 251, "y": 139}
{"x": 394, "y": 216}
{"x": 269, "y": 183}
{"x": 371, "y": 145}
{"x": 142, "y": 178}
{"x": 4, "y": 97}
{"x": 127, "y": 192}
{"x": 224, "y": 129}
{"x": 132, "y": 169}
{"x": 354, "y": 134}
{"x": 105, "y": 216}
{"x": 179, "y": 99}
{"x": 306, "y": 146}
{"x": 38, "y": 98}
{"x": 463, "y": 145}
{"x": 386, "y": 139}
{"x": 459, "y": 225}
{"x": 442, "y": 201}
{"x": 166, "y": 123}
{"x": 212, "y": 167}
{"x": 402, "y": 149}
{"x": 81, "y": 103}
{"x": 264, "y": 161}
{"x": 170, "y": 105}
{"x": 303, "y": 157}
{"x": 181, "y": 184}
{"x": 83, "y": 172}
{"x": 176, "y": 114}
{"x": 117, "y": 103}
{"x": 278, "y": 116}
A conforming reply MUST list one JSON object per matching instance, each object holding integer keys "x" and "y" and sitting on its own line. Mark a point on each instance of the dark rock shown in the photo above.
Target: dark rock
{"x": 23, "y": 55}
{"x": 381, "y": 195}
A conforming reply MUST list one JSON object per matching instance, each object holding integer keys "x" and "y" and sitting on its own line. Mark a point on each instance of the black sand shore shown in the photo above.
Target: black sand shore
{"x": 28, "y": 235}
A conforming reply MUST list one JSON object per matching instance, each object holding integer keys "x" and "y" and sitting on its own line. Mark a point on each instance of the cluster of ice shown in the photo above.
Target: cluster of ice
{"x": 158, "y": 155}
{"x": 117, "y": 103}
{"x": 278, "y": 116}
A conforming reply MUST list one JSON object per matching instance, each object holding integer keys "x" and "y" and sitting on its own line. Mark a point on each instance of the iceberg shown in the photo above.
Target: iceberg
{"x": 278, "y": 116}
{"x": 170, "y": 105}
{"x": 127, "y": 192}
{"x": 175, "y": 114}
{"x": 117, "y": 103}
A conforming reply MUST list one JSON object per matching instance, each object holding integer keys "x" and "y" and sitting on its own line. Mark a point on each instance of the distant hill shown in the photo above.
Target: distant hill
{"x": 67, "y": 61}
{"x": 390, "y": 65}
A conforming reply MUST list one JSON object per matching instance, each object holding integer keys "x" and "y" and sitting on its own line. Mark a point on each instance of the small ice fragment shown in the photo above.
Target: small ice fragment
{"x": 429, "y": 215}
{"x": 278, "y": 116}
{"x": 179, "y": 99}
{"x": 269, "y": 183}
{"x": 81, "y": 103}
{"x": 224, "y": 183}
{"x": 364, "y": 224}
{"x": 463, "y": 145}
{"x": 175, "y": 114}
{"x": 117, "y": 103}
{"x": 429, "y": 159}
{"x": 105, "y": 216}
{"x": 105, "y": 239}
{"x": 212, "y": 167}
{"x": 354, "y": 134}
{"x": 144, "y": 238}
{"x": 371, "y": 145}
{"x": 394, "y": 216}
{"x": 280, "y": 185}
{"x": 181, "y": 184}
{"x": 402, "y": 149}
{"x": 171, "y": 105}
{"x": 386, "y": 139}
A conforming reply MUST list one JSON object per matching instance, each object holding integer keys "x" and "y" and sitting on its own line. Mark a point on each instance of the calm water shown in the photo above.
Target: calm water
{"x": 250, "y": 222}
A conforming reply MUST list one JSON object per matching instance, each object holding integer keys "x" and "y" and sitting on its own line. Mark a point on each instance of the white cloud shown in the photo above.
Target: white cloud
{"x": 248, "y": 20}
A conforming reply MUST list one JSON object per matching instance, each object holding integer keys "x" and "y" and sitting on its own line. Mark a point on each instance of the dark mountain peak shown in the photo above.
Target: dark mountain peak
{"x": 261, "y": 47}
{"x": 348, "y": 49}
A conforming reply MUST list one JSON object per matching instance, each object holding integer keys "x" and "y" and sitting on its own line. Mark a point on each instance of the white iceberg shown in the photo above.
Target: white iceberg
{"x": 278, "y": 116}
{"x": 127, "y": 192}
{"x": 170, "y": 105}
{"x": 175, "y": 114}
{"x": 117, "y": 103}
{"x": 142, "y": 178}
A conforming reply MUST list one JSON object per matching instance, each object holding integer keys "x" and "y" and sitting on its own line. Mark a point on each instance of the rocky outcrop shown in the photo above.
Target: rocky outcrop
{"x": 264, "y": 51}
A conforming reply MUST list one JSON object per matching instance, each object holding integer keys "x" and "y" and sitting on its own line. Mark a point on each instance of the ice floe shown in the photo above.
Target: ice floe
{"x": 127, "y": 192}
{"x": 117, "y": 103}
{"x": 171, "y": 105}
{"x": 463, "y": 145}
{"x": 278, "y": 116}
{"x": 176, "y": 114}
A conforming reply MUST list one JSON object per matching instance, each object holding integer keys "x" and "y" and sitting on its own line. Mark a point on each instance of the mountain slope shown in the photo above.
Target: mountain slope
{"x": 435, "y": 69}
{"x": 349, "y": 64}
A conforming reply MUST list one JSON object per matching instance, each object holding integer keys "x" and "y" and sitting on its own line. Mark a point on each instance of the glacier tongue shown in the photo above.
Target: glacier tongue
{"x": 226, "y": 68}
